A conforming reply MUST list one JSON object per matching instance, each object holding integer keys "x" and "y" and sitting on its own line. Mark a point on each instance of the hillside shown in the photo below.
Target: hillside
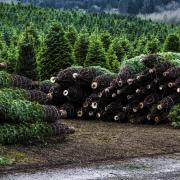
{"x": 128, "y": 6}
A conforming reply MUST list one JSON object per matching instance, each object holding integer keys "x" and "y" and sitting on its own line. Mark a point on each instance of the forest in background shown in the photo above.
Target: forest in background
{"x": 79, "y": 38}
{"x": 167, "y": 11}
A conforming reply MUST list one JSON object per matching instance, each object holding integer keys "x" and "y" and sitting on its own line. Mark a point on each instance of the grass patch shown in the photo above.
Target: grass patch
{"x": 5, "y": 159}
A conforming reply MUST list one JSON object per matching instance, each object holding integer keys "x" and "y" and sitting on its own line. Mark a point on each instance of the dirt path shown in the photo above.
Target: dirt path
{"x": 96, "y": 142}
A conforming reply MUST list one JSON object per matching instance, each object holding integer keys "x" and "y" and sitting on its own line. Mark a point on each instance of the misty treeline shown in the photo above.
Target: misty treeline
{"x": 31, "y": 36}
{"x": 169, "y": 13}
{"x": 123, "y": 6}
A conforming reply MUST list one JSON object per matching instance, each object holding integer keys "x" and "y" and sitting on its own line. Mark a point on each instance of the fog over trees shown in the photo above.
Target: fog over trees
{"x": 159, "y": 10}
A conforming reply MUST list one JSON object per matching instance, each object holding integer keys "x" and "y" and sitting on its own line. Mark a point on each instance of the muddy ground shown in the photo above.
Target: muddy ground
{"x": 96, "y": 142}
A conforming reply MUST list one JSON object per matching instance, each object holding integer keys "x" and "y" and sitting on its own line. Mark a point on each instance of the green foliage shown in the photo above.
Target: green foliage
{"x": 101, "y": 70}
{"x": 122, "y": 48}
{"x": 113, "y": 60}
{"x": 20, "y": 111}
{"x": 24, "y": 133}
{"x": 5, "y": 79}
{"x": 172, "y": 57}
{"x": 130, "y": 36}
{"x": 96, "y": 55}
{"x": 26, "y": 64}
{"x": 71, "y": 35}
{"x": 81, "y": 48}
{"x": 172, "y": 43}
{"x": 135, "y": 64}
{"x": 15, "y": 94}
{"x": 174, "y": 115}
{"x": 106, "y": 40}
{"x": 153, "y": 46}
{"x": 57, "y": 53}
{"x": 5, "y": 159}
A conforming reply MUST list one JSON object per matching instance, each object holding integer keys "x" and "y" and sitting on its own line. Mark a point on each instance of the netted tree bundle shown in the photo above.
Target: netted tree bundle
{"x": 174, "y": 116}
{"x": 160, "y": 68}
{"x": 150, "y": 100}
{"x": 151, "y": 60}
{"x": 172, "y": 73}
{"x": 67, "y": 77}
{"x": 87, "y": 113}
{"x": 13, "y": 94}
{"x": 140, "y": 119}
{"x": 45, "y": 86}
{"x": 38, "y": 96}
{"x": 60, "y": 129}
{"x": 110, "y": 111}
{"x": 56, "y": 94}
{"x": 168, "y": 102}
{"x": 121, "y": 117}
{"x": 20, "y": 111}
{"x": 124, "y": 92}
{"x": 157, "y": 116}
{"x": 91, "y": 99}
{"x": 101, "y": 82}
{"x": 23, "y": 133}
{"x": 76, "y": 94}
{"x": 86, "y": 75}
{"x": 114, "y": 106}
{"x": 124, "y": 74}
{"x": 128, "y": 108}
{"x": 27, "y": 133}
{"x": 50, "y": 113}
{"x": 175, "y": 83}
{"x": 3, "y": 66}
{"x": 8, "y": 80}
{"x": 68, "y": 110}
{"x": 22, "y": 82}
{"x": 82, "y": 113}
{"x": 31, "y": 95}
{"x": 144, "y": 77}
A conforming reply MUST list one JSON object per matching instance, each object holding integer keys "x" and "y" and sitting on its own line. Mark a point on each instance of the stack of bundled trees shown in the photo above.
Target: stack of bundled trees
{"x": 26, "y": 112}
{"x": 142, "y": 94}
{"x": 144, "y": 91}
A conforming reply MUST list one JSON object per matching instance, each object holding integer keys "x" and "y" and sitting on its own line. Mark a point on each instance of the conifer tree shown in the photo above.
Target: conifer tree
{"x": 26, "y": 64}
{"x": 57, "y": 52}
{"x": 118, "y": 48}
{"x": 96, "y": 55}
{"x": 152, "y": 46}
{"x": 106, "y": 40}
{"x": 172, "y": 43}
{"x": 81, "y": 48}
{"x": 113, "y": 60}
{"x": 71, "y": 35}
{"x": 141, "y": 44}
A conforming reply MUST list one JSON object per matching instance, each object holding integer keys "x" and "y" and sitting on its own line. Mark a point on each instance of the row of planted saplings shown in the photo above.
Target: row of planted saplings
{"x": 26, "y": 112}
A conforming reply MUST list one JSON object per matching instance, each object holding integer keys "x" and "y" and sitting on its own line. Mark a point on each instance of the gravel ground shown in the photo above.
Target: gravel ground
{"x": 162, "y": 167}
{"x": 96, "y": 142}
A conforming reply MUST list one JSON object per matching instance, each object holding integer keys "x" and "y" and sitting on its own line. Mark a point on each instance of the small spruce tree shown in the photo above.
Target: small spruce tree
{"x": 106, "y": 40}
{"x": 153, "y": 46}
{"x": 71, "y": 35}
{"x": 172, "y": 43}
{"x": 81, "y": 48}
{"x": 96, "y": 55}
{"x": 118, "y": 48}
{"x": 113, "y": 60}
{"x": 26, "y": 63}
{"x": 57, "y": 52}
